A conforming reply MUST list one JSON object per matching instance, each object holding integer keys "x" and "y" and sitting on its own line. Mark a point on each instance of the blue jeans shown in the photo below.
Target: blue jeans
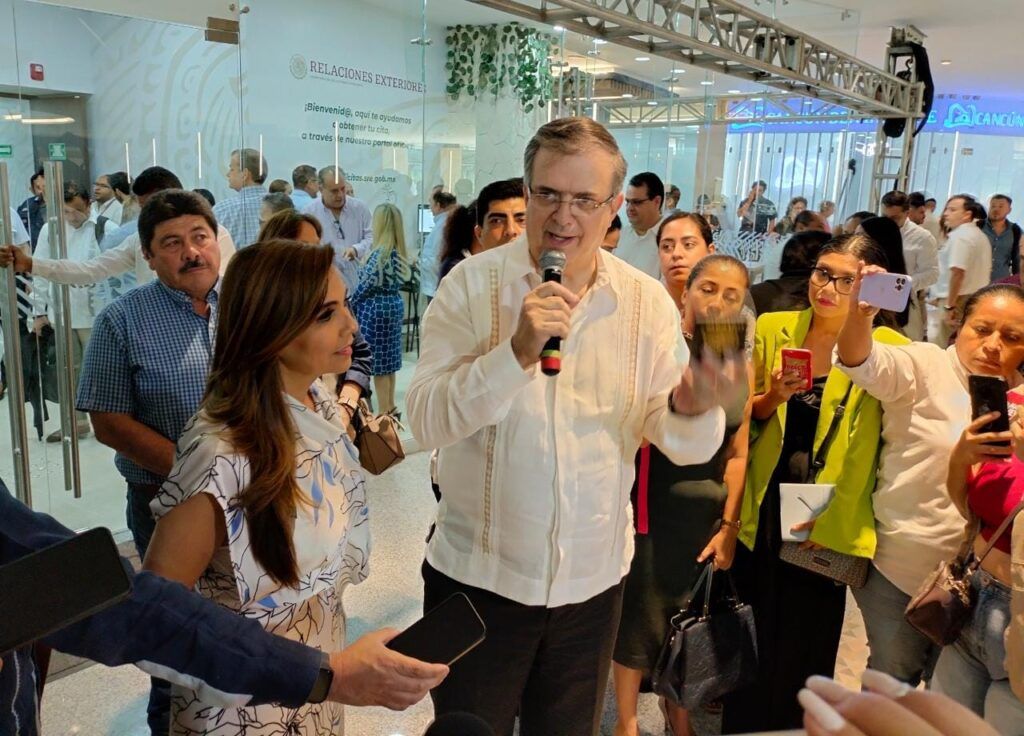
{"x": 896, "y": 647}
{"x": 142, "y": 525}
{"x": 971, "y": 671}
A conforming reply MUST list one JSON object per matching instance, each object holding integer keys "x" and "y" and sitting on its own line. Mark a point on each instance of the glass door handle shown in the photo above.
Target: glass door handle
{"x": 13, "y": 358}
{"x": 60, "y": 297}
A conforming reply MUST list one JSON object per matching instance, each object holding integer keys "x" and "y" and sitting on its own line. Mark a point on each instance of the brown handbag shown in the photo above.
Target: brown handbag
{"x": 945, "y": 600}
{"x": 377, "y": 439}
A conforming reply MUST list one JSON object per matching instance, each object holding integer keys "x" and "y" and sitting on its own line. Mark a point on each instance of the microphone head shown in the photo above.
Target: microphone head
{"x": 460, "y": 724}
{"x": 552, "y": 260}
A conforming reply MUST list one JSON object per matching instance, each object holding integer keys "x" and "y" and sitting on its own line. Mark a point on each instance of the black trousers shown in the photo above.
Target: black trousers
{"x": 548, "y": 665}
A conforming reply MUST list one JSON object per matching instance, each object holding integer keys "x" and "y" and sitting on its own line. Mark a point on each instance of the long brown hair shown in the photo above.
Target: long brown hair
{"x": 271, "y": 292}
{"x": 286, "y": 224}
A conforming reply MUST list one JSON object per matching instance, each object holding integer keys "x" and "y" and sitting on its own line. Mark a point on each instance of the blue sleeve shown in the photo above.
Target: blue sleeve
{"x": 362, "y": 363}
{"x": 165, "y": 623}
{"x": 105, "y": 384}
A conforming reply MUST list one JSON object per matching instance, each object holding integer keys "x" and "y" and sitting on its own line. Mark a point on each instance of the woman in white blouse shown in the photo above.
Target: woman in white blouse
{"x": 926, "y": 406}
{"x": 265, "y": 508}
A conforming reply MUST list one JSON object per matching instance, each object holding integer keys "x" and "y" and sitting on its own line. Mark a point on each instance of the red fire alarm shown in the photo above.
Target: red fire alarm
{"x": 35, "y": 71}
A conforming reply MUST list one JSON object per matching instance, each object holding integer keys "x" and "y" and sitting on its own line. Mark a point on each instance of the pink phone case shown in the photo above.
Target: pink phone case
{"x": 886, "y": 290}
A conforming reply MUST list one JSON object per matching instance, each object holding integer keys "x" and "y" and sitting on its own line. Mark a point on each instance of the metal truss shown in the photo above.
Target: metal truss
{"x": 727, "y": 37}
{"x": 750, "y": 109}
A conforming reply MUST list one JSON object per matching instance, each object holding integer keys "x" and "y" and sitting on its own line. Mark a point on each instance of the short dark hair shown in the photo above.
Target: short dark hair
{"x": 1011, "y": 291}
{"x": 207, "y": 195}
{"x": 278, "y": 202}
{"x": 73, "y": 189}
{"x": 154, "y": 179}
{"x": 250, "y": 160}
{"x": 302, "y": 175}
{"x": 760, "y": 183}
{"x": 694, "y": 217}
{"x": 497, "y": 191}
{"x": 616, "y": 224}
{"x": 932, "y": 200}
{"x": 444, "y": 200}
{"x": 32, "y": 179}
{"x": 119, "y": 182}
{"x": 800, "y": 252}
{"x": 1005, "y": 197}
{"x": 916, "y": 199}
{"x": 896, "y": 198}
{"x": 278, "y": 186}
{"x": 654, "y": 184}
{"x": 861, "y": 216}
{"x": 808, "y": 218}
{"x": 168, "y": 205}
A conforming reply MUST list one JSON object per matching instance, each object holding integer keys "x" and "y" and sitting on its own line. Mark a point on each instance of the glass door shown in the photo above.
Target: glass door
{"x": 89, "y": 100}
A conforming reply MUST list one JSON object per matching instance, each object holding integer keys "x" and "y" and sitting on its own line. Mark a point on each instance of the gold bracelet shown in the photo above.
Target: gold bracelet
{"x": 731, "y": 524}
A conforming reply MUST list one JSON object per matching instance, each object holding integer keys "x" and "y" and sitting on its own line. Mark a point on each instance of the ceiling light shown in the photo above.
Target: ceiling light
{"x": 734, "y": 92}
{"x": 642, "y": 58}
{"x": 600, "y": 41}
{"x": 706, "y": 82}
{"x": 627, "y": 96}
{"x": 946, "y": 62}
{"x": 47, "y": 121}
{"x": 652, "y": 103}
{"x": 13, "y": 116}
{"x": 559, "y": 29}
{"x": 756, "y": 99}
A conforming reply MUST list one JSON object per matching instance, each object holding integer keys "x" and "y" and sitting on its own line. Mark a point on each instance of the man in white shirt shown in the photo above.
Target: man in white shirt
{"x": 305, "y": 185}
{"x": 638, "y": 244}
{"x": 127, "y": 256}
{"x": 441, "y": 203}
{"x": 104, "y": 203}
{"x": 970, "y": 258}
{"x": 87, "y": 301}
{"x": 534, "y": 523}
{"x": 346, "y": 223}
{"x": 921, "y": 255}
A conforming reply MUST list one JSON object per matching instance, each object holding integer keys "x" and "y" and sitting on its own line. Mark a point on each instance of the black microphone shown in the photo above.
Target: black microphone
{"x": 459, "y": 724}
{"x": 553, "y": 262}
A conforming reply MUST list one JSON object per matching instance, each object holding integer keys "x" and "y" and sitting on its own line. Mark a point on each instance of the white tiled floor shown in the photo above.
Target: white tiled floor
{"x": 99, "y": 700}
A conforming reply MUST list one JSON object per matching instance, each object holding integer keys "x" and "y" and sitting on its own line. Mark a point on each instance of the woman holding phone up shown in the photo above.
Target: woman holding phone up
{"x": 684, "y": 515}
{"x": 924, "y": 395}
{"x": 798, "y": 613}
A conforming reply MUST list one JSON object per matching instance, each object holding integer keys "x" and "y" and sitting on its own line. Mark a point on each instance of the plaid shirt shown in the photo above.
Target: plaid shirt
{"x": 148, "y": 357}
{"x": 240, "y": 214}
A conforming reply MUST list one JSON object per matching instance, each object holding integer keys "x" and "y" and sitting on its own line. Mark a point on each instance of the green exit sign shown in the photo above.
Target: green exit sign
{"x": 6, "y": 151}
{"x": 58, "y": 152}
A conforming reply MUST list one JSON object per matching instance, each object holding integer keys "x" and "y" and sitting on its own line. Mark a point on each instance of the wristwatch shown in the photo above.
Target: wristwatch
{"x": 323, "y": 683}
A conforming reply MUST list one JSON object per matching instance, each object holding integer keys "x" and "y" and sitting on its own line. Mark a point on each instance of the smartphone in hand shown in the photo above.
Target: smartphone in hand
{"x": 444, "y": 635}
{"x": 988, "y": 394}
{"x": 720, "y": 337}
{"x": 886, "y": 290}
{"x": 798, "y": 360}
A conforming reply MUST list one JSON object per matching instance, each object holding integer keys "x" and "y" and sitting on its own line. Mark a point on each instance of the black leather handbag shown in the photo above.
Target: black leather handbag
{"x": 708, "y": 652}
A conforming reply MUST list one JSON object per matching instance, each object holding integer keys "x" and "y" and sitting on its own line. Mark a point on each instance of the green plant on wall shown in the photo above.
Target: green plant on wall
{"x": 490, "y": 59}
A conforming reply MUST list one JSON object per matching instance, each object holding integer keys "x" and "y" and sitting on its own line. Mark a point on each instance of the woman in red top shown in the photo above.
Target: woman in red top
{"x": 986, "y": 482}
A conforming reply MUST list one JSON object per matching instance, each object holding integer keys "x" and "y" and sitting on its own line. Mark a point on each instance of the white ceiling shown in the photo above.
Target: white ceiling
{"x": 982, "y": 38}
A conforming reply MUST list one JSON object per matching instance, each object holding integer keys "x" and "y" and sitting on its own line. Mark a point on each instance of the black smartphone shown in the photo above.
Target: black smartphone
{"x": 47, "y": 590}
{"x": 988, "y": 394}
{"x": 444, "y": 635}
{"x": 720, "y": 337}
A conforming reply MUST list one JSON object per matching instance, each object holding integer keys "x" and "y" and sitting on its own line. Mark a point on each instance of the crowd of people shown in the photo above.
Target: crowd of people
{"x": 575, "y": 510}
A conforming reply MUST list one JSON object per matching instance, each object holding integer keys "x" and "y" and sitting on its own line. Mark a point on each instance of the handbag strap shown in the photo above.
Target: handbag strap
{"x": 826, "y": 442}
{"x": 708, "y": 574}
{"x": 999, "y": 532}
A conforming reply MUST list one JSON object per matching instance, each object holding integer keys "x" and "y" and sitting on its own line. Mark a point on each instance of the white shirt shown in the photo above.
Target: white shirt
{"x": 19, "y": 235}
{"x": 970, "y": 250}
{"x": 86, "y": 301}
{"x": 111, "y": 209}
{"x": 923, "y": 391}
{"x": 921, "y": 254}
{"x": 535, "y": 471}
{"x": 115, "y": 261}
{"x": 640, "y": 251}
{"x": 933, "y": 225}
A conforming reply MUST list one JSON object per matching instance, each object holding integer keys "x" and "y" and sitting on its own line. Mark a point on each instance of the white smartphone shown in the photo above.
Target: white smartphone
{"x": 886, "y": 290}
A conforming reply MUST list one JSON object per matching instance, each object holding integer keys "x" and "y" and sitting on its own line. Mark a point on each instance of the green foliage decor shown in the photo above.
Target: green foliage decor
{"x": 491, "y": 58}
